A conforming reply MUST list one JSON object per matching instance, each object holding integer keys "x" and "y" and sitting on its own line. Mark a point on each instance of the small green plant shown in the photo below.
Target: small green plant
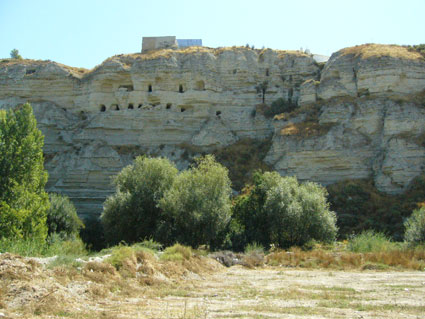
{"x": 119, "y": 254}
{"x": 415, "y": 227}
{"x": 369, "y": 241}
{"x": 176, "y": 252}
{"x": 254, "y": 247}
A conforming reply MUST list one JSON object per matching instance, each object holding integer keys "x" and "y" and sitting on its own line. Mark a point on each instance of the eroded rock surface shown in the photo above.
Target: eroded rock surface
{"x": 368, "y": 116}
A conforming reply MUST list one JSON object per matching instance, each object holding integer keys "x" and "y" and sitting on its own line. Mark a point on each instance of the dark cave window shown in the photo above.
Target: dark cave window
{"x": 181, "y": 89}
{"x": 102, "y": 108}
{"x": 130, "y": 106}
{"x": 168, "y": 106}
{"x": 150, "y": 88}
{"x": 218, "y": 113}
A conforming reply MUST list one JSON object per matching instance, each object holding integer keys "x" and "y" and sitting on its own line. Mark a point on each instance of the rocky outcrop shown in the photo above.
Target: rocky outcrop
{"x": 361, "y": 116}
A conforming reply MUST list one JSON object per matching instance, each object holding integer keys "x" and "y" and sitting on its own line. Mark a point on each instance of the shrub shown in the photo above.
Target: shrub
{"x": 119, "y": 254}
{"x": 14, "y": 54}
{"x": 62, "y": 217}
{"x": 415, "y": 227}
{"x": 369, "y": 241}
{"x": 360, "y": 206}
{"x": 277, "y": 210}
{"x": 23, "y": 201}
{"x": 280, "y": 106}
{"x": 132, "y": 213}
{"x": 198, "y": 203}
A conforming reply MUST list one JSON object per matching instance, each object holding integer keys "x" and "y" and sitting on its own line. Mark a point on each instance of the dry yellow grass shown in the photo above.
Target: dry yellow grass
{"x": 366, "y": 51}
{"x": 342, "y": 260}
{"x": 29, "y": 62}
{"x": 305, "y": 129}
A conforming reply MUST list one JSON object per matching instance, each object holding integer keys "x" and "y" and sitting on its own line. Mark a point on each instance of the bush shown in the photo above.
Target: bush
{"x": 360, "y": 206}
{"x": 132, "y": 213}
{"x": 14, "y": 54}
{"x": 119, "y": 254}
{"x": 62, "y": 217}
{"x": 415, "y": 227}
{"x": 23, "y": 201}
{"x": 369, "y": 241}
{"x": 277, "y": 210}
{"x": 280, "y": 106}
{"x": 198, "y": 203}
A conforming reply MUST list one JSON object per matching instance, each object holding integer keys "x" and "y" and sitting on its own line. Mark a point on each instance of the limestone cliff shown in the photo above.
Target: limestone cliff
{"x": 361, "y": 115}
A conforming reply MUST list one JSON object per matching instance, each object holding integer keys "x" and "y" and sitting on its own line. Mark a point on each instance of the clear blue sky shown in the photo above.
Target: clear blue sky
{"x": 83, "y": 33}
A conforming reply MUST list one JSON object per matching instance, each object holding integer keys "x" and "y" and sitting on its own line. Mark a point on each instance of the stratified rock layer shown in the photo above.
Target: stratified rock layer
{"x": 361, "y": 116}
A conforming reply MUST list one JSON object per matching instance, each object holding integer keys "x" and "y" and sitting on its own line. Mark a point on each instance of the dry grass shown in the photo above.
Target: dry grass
{"x": 28, "y": 62}
{"x": 398, "y": 258}
{"x": 372, "y": 50}
{"x": 306, "y": 129}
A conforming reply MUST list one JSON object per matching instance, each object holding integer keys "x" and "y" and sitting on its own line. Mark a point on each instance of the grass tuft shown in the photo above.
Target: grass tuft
{"x": 176, "y": 252}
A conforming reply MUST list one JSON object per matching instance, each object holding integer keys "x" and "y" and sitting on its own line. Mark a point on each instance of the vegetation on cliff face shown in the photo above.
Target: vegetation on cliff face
{"x": 360, "y": 206}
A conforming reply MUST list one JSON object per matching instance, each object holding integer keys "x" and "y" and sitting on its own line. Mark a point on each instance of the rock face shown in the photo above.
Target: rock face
{"x": 361, "y": 116}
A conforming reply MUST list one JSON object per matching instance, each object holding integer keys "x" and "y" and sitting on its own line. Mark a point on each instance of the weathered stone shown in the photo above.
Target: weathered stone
{"x": 176, "y": 102}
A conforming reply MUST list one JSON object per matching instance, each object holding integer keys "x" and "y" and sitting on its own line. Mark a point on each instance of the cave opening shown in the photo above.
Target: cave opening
{"x": 102, "y": 108}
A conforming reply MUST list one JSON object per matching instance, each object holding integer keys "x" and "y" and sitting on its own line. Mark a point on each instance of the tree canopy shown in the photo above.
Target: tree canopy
{"x": 23, "y": 201}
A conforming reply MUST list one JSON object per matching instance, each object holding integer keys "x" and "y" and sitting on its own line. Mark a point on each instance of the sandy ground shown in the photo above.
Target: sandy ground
{"x": 236, "y": 292}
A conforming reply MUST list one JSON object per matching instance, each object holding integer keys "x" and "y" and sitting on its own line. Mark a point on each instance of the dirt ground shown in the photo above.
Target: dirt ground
{"x": 30, "y": 291}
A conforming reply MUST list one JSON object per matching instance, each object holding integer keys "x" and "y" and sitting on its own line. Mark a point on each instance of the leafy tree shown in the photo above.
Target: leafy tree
{"x": 62, "y": 217}
{"x": 198, "y": 203}
{"x": 23, "y": 201}
{"x": 14, "y": 54}
{"x": 132, "y": 213}
{"x": 278, "y": 210}
{"x": 415, "y": 227}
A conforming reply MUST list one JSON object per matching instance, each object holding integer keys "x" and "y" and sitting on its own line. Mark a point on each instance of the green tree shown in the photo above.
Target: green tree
{"x": 278, "y": 210}
{"x": 415, "y": 227}
{"x": 132, "y": 213}
{"x": 23, "y": 201}
{"x": 198, "y": 203}
{"x": 62, "y": 218}
{"x": 14, "y": 54}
